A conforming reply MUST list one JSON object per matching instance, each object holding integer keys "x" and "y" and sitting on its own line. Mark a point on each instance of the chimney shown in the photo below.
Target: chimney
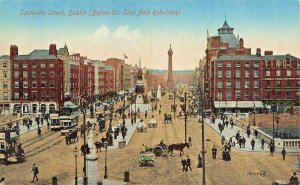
{"x": 241, "y": 43}
{"x": 13, "y": 51}
{"x": 258, "y": 52}
{"x": 52, "y": 50}
{"x": 268, "y": 52}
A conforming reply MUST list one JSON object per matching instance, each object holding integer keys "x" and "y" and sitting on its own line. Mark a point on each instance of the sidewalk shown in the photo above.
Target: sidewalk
{"x": 228, "y": 132}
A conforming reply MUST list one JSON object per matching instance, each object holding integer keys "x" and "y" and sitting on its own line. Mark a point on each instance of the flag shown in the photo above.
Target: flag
{"x": 125, "y": 56}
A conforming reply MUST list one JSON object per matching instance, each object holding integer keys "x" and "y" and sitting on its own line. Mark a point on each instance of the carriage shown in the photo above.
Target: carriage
{"x": 72, "y": 136}
{"x": 10, "y": 148}
{"x": 141, "y": 127}
{"x": 152, "y": 123}
{"x": 146, "y": 159}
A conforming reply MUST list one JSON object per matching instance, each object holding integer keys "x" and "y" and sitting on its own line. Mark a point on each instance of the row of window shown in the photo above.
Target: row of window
{"x": 34, "y": 65}
{"x": 238, "y": 95}
{"x": 279, "y": 83}
{"x": 279, "y": 94}
{"x": 278, "y": 73}
{"x": 34, "y": 74}
{"x": 247, "y": 64}
{"x": 43, "y": 84}
{"x": 34, "y": 95}
{"x": 237, "y": 74}
{"x": 238, "y": 84}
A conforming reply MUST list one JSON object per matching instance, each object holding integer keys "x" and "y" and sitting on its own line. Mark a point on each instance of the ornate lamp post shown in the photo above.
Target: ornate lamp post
{"x": 254, "y": 124}
{"x": 105, "y": 168}
{"x": 75, "y": 152}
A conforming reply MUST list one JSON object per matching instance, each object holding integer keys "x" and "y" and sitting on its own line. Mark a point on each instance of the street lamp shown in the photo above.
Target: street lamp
{"x": 75, "y": 152}
{"x": 105, "y": 168}
{"x": 254, "y": 113}
{"x": 83, "y": 108}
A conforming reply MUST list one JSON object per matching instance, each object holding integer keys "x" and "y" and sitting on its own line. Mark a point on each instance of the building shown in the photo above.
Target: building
{"x": 118, "y": 66}
{"x": 89, "y": 78}
{"x": 37, "y": 80}
{"x": 63, "y": 54}
{"x": 127, "y": 77}
{"x": 5, "y": 81}
{"x": 74, "y": 62}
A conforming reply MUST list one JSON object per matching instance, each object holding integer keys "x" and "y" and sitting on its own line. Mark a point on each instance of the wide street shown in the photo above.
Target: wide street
{"x": 55, "y": 158}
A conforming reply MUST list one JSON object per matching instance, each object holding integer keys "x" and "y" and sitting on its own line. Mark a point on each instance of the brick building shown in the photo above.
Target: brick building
{"x": 118, "y": 66}
{"x": 37, "y": 80}
{"x": 89, "y": 78}
{"x": 63, "y": 54}
{"x": 5, "y": 84}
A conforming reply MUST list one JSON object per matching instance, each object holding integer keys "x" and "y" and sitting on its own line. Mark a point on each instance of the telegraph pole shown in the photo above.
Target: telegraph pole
{"x": 185, "y": 117}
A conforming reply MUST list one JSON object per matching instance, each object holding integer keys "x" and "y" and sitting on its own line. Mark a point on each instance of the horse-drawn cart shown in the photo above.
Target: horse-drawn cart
{"x": 146, "y": 159}
{"x": 152, "y": 123}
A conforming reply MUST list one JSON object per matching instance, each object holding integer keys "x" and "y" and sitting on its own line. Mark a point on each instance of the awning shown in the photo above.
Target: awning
{"x": 239, "y": 104}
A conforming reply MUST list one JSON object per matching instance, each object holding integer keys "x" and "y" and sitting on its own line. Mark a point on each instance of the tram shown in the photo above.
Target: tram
{"x": 54, "y": 122}
{"x": 68, "y": 117}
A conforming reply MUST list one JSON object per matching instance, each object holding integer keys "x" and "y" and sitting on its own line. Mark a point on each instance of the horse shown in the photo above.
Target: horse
{"x": 98, "y": 145}
{"x": 179, "y": 146}
{"x": 71, "y": 137}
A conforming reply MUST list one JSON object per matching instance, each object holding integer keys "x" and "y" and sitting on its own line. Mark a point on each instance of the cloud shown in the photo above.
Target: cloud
{"x": 124, "y": 33}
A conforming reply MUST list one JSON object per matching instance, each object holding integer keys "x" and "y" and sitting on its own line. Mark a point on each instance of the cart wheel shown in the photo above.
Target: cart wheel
{"x": 158, "y": 151}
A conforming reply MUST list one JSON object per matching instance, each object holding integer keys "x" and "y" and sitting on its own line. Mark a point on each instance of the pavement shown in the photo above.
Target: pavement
{"x": 231, "y": 132}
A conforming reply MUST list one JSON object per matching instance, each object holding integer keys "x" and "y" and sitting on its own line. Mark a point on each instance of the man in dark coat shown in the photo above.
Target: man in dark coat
{"x": 188, "y": 163}
{"x": 214, "y": 152}
{"x": 252, "y": 144}
{"x": 283, "y": 152}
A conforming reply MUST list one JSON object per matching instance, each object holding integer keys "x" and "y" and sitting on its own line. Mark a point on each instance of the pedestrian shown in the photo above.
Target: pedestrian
{"x": 283, "y": 152}
{"x": 223, "y": 140}
{"x": 252, "y": 144}
{"x": 35, "y": 171}
{"x": 39, "y": 131}
{"x": 200, "y": 164}
{"x": 48, "y": 125}
{"x": 262, "y": 143}
{"x": 190, "y": 141}
{"x": 272, "y": 149}
{"x": 231, "y": 123}
{"x": 256, "y": 133}
{"x": 131, "y": 121}
{"x": 237, "y": 135}
{"x": 188, "y": 163}
{"x": 183, "y": 163}
{"x": 294, "y": 179}
{"x": 214, "y": 152}
{"x": 145, "y": 114}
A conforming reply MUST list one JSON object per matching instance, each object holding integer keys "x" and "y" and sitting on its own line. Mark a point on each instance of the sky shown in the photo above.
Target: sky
{"x": 266, "y": 24}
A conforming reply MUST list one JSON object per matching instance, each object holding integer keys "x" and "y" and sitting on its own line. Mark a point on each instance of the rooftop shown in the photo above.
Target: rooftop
{"x": 254, "y": 57}
{"x": 4, "y": 57}
{"x": 36, "y": 55}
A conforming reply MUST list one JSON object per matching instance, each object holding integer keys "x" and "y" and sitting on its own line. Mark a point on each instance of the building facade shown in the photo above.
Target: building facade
{"x": 118, "y": 66}
{"x": 63, "y": 54}
{"x": 5, "y": 84}
{"x": 37, "y": 80}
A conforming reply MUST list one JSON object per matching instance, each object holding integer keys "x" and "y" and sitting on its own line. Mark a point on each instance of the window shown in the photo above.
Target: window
{"x": 238, "y": 84}
{"x": 43, "y": 74}
{"x": 228, "y": 84}
{"x": 247, "y": 64}
{"x": 277, "y": 94}
{"x": 25, "y": 84}
{"x": 219, "y": 64}
{"x": 220, "y": 96}
{"x": 228, "y": 73}
{"x": 33, "y": 65}
{"x": 238, "y": 95}
{"x": 17, "y": 84}
{"x": 51, "y": 74}
{"x": 16, "y": 95}
{"x": 228, "y": 96}
{"x": 52, "y": 95}
{"x": 255, "y": 95}
{"x": 238, "y": 65}
{"x": 255, "y": 73}
{"x": 5, "y": 96}
{"x": 255, "y": 84}
{"x": 247, "y": 95}
{"x": 277, "y": 83}
{"x": 33, "y": 74}
{"x": 228, "y": 65}
{"x": 16, "y": 74}
{"x": 220, "y": 84}
{"x": 4, "y": 74}
{"x": 43, "y": 95}
{"x": 268, "y": 73}
{"x": 51, "y": 65}
{"x": 25, "y": 74}
{"x": 25, "y": 66}
{"x": 43, "y": 84}
{"x": 268, "y": 83}
{"x": 16, "y": 66}
{"x": 43, "y": 65}
{"x": 237, "y": 74}
{"x": 51, "y": 83}
{"x": 288, "y": 83}
{"x": 220, "y": 74}
{"x": 278, "y": 73}
{"x": 25, "y": 95}
{"x": 288, "y": 73}
{"x": 256, "y": 64}
{"x": 34, "y": 95}
{"x": 289, "y": 95}
{"x": 34, "y": 84}
{"x": 4, "y": 64}
{"x": 4, "y": 85}
{"x": 247, "y": 84}
{"x": 246, "y": 73}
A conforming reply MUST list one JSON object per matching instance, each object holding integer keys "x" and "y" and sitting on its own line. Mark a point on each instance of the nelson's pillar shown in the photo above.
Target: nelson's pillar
{"x": 170, "y": 81}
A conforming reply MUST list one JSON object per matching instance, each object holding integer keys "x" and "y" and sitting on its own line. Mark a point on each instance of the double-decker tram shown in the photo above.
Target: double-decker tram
{"x": 68, "y": 117}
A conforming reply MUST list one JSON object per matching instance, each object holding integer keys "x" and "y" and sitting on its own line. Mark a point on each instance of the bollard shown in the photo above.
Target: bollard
{"x": 54, "y": 180}
{"x": 126, "y": 176}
